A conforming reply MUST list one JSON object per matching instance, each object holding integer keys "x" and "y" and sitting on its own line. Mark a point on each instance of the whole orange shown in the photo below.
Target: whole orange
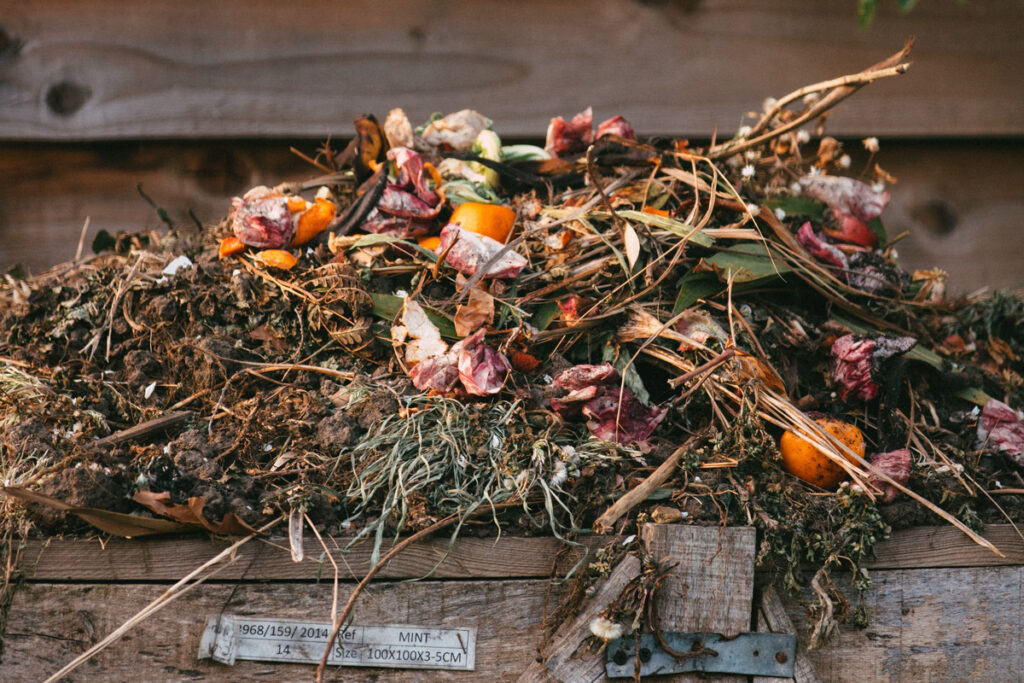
{"x": 805, "y": 461}
{"x": 492, "y": 220}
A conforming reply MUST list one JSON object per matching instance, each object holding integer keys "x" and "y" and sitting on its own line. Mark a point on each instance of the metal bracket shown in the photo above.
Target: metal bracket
{"x": 751, "y": 654}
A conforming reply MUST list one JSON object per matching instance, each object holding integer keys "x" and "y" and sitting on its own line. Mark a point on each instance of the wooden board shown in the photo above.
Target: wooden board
{"x": 711, "y": 587}
{"x": 927, "y": 624}
{"x": 108, "y": 69}
{"x": 49, "y": 625}
{"x": 959, "y": 201}
{"x": 570, "y": 654}
{"x": 930, "y": 625}
{"x": 168, "y": 559}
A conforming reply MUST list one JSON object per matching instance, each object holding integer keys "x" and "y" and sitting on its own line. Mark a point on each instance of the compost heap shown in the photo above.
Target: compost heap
{"x": 444, "y": 324}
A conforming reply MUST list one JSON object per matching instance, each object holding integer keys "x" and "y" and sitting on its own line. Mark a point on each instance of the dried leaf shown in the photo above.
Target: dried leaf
{"x": 475, "y": 313}
{"x": 632, "y": 245}
{"x": 295, "y": 533}
{"x": 116, "y": 523}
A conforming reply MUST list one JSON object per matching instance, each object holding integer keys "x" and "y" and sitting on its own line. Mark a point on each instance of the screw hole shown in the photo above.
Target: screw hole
{"x": 645, "y": 655}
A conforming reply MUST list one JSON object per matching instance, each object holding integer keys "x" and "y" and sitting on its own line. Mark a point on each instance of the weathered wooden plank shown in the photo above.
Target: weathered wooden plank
{"x": 168, "y": 559}
{"x": 112, "y": 69}
{"x": 567, "y": 656}
{"x": 772, "y": 618}
{"x": 711, "y": 587}
{"x": 48, "y": 192}
{"x": 960, "y": 202}
{"x": 50, "y": 625}
{"x": 944, "y": 546}
{"x": 930, "y": 625}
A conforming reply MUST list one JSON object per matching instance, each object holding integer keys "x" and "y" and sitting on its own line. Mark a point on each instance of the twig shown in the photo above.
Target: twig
{"x": 840, "y": 89}
{"x": 81, "y": 239}
{"x": 639, "y": 493}
{"x": 144, "y": 429}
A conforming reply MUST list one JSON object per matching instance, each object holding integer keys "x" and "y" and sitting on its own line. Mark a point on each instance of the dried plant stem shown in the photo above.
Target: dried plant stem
{"x": 639, "y": 493}
{"x": 839, "y": 89}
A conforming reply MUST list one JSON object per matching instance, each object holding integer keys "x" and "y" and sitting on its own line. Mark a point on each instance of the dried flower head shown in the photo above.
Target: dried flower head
{"x": 606, "y": 629}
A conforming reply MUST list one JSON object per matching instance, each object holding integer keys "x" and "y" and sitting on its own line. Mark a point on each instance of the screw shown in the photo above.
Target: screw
{"x": 781, "y": 657}
{"x": 620, "y": 657}
{"x": 645, "y": 655}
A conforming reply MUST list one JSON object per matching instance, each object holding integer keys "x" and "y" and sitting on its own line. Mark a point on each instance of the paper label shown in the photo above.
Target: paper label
{"x": 228, "y": 638}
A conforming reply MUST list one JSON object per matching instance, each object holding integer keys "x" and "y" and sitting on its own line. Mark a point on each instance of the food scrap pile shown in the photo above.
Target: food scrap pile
{"x": 443, "y": 324}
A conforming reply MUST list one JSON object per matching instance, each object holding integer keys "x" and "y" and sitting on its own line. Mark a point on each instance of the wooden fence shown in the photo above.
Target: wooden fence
{"x": 197, "y": 101}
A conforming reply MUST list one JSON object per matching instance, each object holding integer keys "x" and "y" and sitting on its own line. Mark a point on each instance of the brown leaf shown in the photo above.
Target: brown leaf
{"x": 161, "y": 504}
{"x": 115, "y": 523}
{"x": 475, "y": 313}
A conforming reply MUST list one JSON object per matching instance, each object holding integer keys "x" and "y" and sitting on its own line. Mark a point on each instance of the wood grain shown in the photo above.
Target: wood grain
{"x": 711, "y": 587}
{"x": 49, "y": 625}
{"x": 930, "y": 625}
{"x": 110, "y": 69}
{"x": 566, "y": 657}
{"x": 944, "y": 546}
{"x": 168, "y": 559}
{"x": 772, "y": 618}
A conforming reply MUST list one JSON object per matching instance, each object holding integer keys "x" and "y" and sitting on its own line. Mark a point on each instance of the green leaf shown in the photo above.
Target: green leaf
{"x": 875, "y": 226}
{"x": 694, "y": 286}
{"x": 866, "y": 12}
{"x": 388, "y": 307}
{"x": 510, "y": 153}
{"x": 544, "y": 314}
{"x": 907, "y": 5}
{"x": 749, "y": 263}
{"x": 973, "y": 395}
{"x": 797, "y": 206}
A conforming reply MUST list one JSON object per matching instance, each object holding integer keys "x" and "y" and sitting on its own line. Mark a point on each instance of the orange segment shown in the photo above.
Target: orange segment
{"x": 804, "y": 461}
{"x": 431, "y": 243}
{"x": 229, "y": 246}
{"x": 493, "y": 220}
{"x": 313, "y": 220}
{"x": 277, "y": 258}
{"x": 657, "y": 212}
{"x": 296, "y": 204}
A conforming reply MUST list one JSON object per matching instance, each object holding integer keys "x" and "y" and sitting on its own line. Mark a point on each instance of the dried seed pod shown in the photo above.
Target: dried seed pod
{"x": 262, "y": 218}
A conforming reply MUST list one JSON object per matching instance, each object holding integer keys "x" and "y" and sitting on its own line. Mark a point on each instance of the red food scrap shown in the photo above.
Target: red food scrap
{"x": 613, "y": 413}
{"x": 440, "y": 373}
{"x": 846, "y": 196}
{"x": 616, "y": 125}
{"x": 470, "y": 251}
{"x": 848, "y": 228}
{"x": 262, "y": 219}
{"x": 482, "y": 370}
{"x": 1002, "y": 428}
{"x": 412, "y": 175}
{"x": 819, "y": 248}
{"x": 857, "y": 360}
{"x": 895, "y": 464}
{"x": 570, "y": 137}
